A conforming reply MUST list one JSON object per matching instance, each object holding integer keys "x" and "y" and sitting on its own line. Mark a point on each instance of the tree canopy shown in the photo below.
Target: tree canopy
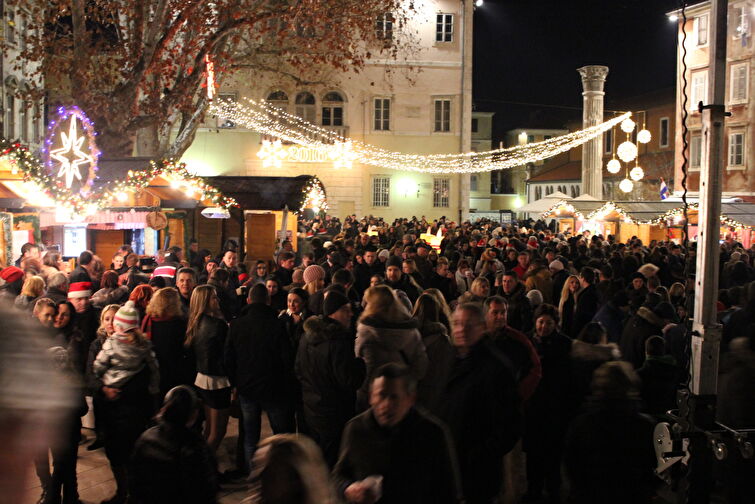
{"x": 138, "y": 66}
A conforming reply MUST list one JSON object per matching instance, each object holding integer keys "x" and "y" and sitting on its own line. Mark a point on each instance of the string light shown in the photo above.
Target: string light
{"x": 627, "y": 151}
{"x": 613, "y": 166}
{"x": 272, "y": 121}
{"x": 41, "y": 181}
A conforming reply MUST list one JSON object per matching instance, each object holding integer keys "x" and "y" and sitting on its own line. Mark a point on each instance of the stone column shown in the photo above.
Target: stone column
{"x": 465, "y": 144}
{"x": 593, "y": 79}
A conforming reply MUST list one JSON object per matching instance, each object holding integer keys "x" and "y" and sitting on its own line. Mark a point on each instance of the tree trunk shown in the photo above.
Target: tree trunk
{"x": 148, "y": 142}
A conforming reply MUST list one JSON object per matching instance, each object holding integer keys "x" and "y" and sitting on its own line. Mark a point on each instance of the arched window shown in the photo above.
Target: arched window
{"x": 332, "y": 109}
{"x": 305, "y": 106}
{"x": 279, "y": 99}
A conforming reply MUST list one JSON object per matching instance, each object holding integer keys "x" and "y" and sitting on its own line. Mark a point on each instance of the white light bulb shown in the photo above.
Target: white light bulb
{"x": 627, "y": 151}
{"x": 122, "y": 196}
{"x": 627, "y": 125}
{"x": 613, "y": 166}
{"x": 636, "y": 173}
{"x": 644, "y": 136}
{"x": 479, "y": 3}
{"x": 626, "y": 185}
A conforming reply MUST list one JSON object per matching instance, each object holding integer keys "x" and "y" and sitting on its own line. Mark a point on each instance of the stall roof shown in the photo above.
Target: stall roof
{"x": 263, "y": 193}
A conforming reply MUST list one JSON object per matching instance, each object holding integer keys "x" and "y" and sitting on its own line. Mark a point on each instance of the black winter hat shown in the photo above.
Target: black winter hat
{"x": 334, "y": 300}
{"x": 393, "y": 261}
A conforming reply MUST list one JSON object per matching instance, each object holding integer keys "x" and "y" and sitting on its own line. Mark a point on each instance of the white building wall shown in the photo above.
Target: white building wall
{"x": 437, "y": 74}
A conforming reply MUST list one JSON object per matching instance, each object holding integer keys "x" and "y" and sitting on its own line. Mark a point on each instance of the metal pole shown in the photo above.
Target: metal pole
{"x": 698, "y": 408}
{"x": 705, "y": 347}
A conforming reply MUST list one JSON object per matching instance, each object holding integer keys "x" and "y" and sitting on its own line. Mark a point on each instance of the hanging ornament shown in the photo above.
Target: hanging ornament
{"x": 613, "y": 166}
{"x": 636, "y": 173}
{"x": 627, "y": 125}
{"x": 626, "y": 185}
{"x": 644, "y": 136}
{"x": 627, "y": 151}
{"x": 70, "y": 150}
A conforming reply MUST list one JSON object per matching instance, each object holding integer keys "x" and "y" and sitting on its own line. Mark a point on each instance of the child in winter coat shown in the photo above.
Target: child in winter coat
{"x": 126, "y": 352}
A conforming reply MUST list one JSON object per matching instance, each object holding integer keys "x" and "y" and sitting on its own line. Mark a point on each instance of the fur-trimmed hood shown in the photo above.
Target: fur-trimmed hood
{"x": 647, "y": 314}
{"x": 320, "y": 329}
{"x": 589, "y": 352}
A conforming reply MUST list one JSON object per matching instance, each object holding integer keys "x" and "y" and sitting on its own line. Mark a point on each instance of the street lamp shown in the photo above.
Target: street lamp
{"x": 478, "y": 3}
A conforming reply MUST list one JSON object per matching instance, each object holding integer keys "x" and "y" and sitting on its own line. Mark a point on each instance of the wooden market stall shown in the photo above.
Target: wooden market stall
{"x": 265, "y": 203}
{"x": 570, "y": 215}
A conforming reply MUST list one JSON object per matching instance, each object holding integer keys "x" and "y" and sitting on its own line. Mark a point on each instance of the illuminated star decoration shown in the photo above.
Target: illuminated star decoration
{"x": 70, "y": 155}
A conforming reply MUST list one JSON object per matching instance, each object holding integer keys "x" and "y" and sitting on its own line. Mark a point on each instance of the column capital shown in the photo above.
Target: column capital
{"x": 593, "y": 77}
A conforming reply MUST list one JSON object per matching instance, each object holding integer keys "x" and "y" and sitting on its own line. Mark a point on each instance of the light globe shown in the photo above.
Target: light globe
{"x": 627, "y": 151}
{"x": 627, "y": 125}
{"x": 636, "y": 173}
{"x": 613, "y": 166}
{"x": 626, "y": 185}
{"x": 644, "y": 136}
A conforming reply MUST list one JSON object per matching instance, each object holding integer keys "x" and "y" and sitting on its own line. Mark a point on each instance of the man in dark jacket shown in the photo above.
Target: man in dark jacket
{"x": 519, "y": 307}
{"x": 480, "y": 405}
{"x": 329, "y": 373}
{"x": 395, "y": 278}
{"x": 369, "y": 267}
{"x": 255, "y": 357}
{"x": 411, "y": 450}
{"x": 644, "y": 324}
{"x": 558, "y": 277}
{"x": 660, "y": 377}
{"x": 441, "y": 279}
{"x": 587, "y": 301}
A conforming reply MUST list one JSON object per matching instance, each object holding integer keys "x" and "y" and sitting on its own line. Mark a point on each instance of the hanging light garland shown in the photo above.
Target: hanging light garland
{"x": 270, "y": 120}
{"x": 179, "y": 178}
{"x": 627, "y": 125}
{"x": 48, "y": 183}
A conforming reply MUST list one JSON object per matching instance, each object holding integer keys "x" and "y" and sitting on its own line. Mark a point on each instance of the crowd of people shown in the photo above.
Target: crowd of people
{"x": 389, "y": 370}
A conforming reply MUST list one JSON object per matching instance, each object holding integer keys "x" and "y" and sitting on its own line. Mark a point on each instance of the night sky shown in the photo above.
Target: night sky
{"x": 527, "y": 51}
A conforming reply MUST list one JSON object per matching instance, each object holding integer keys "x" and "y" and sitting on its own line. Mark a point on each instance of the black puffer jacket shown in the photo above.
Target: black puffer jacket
{"x": 255, "y": 354}
{"x": 329, "y": 373}
{"x": 480, "y": 405}
{"x": 172, "y": 464}
{"x": 208, "y": 344}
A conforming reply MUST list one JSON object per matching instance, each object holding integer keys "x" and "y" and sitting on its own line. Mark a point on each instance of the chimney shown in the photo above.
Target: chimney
{"x": 593, "y": 79}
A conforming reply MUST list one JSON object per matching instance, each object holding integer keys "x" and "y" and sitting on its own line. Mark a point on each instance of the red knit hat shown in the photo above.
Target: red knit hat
{"x": 80, "y": 289}
{"x": 11, "y": 274}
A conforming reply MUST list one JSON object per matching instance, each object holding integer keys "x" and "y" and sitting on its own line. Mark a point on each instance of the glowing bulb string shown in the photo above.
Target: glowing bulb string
{"x": 610, "y": 207}
{"x": 272, "y": 121}
{"x": 33, "y": 171}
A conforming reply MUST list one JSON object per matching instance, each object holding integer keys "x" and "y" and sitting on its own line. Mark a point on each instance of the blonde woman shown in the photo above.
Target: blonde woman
{"x": 568, "y": 303}
{"x": 314, "y": 279}
{"x": 33, "y": 288}
{"x": 477, "y": 293}
{"x": 165, "y": 326}
{"x": 205, "y": 336}
{"x": 93, "y": 383}
{"x": 119, "y": 365}
{"x": 386, "y": 332}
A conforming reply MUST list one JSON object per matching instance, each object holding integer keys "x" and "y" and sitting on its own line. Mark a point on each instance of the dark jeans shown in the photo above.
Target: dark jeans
{"x": 281, "y": 417}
